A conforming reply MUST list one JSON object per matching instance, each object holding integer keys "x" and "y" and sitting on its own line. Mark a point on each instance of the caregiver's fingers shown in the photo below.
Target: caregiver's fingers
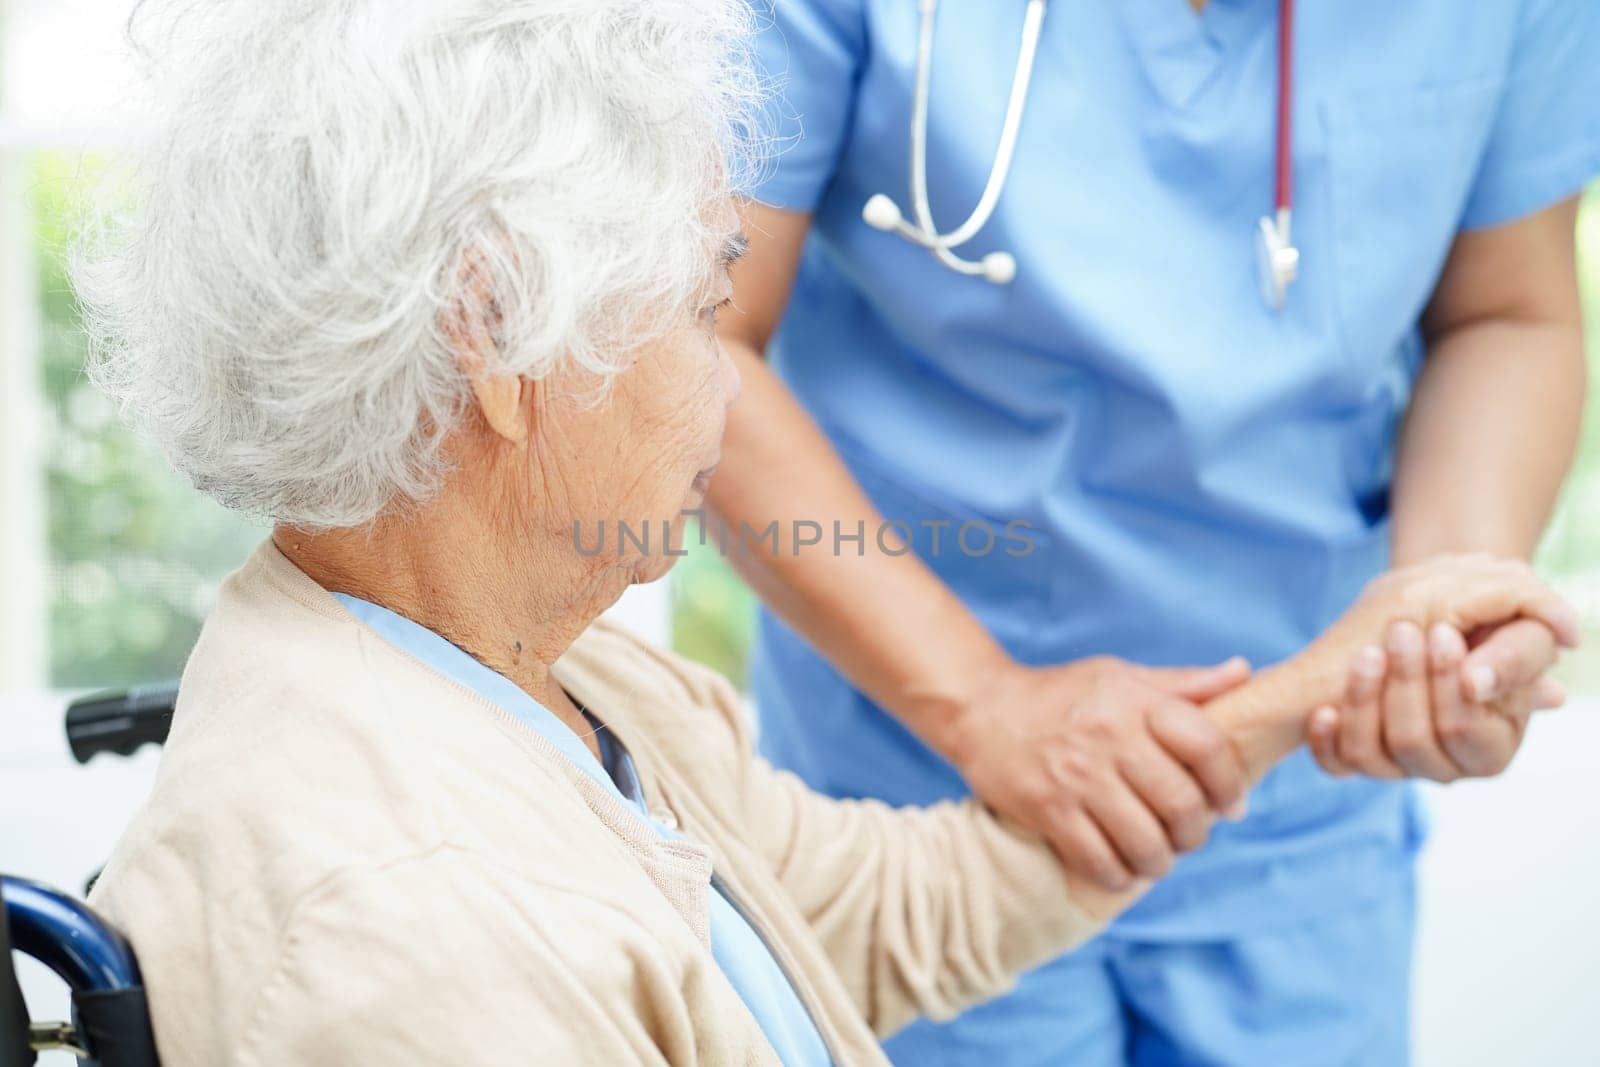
{"x": 1322, "y": 735}
{"x": 1511, "y": 657}
{"x": 1478, "y": 590}
{"x": 1408, "y": 704}
{"x": 1082, "y": 846}
{"x": 1547, "y": 694}
{"x": 1200, "y": 684}
{"x": 1133, "y": 830}
{"x": 1171, "y": 792}
{"x": 1361, "y": 742}
{"x": 1196, "y": 742}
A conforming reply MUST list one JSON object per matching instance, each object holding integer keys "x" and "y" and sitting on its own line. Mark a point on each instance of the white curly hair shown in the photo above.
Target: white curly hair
{"x": 328, "y": 173}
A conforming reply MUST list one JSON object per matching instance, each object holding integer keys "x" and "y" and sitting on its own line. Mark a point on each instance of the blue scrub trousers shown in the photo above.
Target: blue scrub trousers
{"x": 1333, "y": 992}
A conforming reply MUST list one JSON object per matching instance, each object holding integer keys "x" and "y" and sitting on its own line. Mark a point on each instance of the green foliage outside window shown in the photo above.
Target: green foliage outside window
{"x": 713, "y": 611}
{"x": 1570, "y": 555}
{"x": 135, "y": 552}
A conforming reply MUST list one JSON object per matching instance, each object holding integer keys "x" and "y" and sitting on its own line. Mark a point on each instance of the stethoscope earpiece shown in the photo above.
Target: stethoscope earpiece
{"x": 999, "y": 268}
{"x": 881, "y": 213}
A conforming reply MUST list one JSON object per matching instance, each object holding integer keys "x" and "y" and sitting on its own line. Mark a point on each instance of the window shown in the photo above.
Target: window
{"x": 111, "y": 559}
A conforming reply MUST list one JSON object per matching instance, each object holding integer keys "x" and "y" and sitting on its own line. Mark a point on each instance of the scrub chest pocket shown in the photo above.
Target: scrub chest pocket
{"x": 1402, "y": 162}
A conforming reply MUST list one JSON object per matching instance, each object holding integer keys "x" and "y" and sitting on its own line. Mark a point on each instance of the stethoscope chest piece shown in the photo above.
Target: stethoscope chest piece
{"x": 1277, "y": 259}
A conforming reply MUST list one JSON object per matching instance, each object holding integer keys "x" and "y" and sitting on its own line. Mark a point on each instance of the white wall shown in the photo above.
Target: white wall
{"x": 1510, "y": 919}
{"x": 1511, "y": 882}
{"x": 647, "y": 611}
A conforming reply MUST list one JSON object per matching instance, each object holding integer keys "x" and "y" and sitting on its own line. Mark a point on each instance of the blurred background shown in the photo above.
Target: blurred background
{"x": 108, "y": 564}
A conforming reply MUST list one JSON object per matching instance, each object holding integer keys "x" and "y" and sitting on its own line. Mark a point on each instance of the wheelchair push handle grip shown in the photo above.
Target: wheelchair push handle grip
{"x": 120, "y": 722}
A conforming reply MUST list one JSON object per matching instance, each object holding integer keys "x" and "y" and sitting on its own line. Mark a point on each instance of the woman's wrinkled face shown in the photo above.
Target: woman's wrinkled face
{"x": 625, "y": 470}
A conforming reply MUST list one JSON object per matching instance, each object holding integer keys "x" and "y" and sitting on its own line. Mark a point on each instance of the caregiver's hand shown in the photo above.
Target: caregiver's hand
{"x": 1439, "y": 706}
{"x": 1113, "y": 763}
{"x": 1464, "y": 591}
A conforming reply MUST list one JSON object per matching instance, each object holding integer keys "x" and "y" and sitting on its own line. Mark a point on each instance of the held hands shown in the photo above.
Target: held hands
{"x": 1417, "y": 718}
{"x": 1119, "y": 768}
{"x": 1436, "y": 704}
{"x": 1114, "y": 764}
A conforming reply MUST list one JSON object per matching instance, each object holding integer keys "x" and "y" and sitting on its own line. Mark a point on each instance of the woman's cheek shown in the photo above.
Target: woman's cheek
{"x": 732, "y": 381}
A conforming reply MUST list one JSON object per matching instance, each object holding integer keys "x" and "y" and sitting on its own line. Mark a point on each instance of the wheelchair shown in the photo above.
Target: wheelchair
{"x": 111, "y": 1018}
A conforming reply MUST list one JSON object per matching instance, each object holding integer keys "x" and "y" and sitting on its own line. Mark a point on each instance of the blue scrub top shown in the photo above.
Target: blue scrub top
{"x": 739, "y": 951}
{"x": 1201, "y": 476}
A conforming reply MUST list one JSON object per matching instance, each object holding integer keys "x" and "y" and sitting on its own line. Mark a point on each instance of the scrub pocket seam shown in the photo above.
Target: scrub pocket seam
{"x": 1376, "y": 139}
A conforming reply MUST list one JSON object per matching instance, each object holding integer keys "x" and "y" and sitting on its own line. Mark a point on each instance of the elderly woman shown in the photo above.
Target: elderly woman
{"x": 432, "y": 286}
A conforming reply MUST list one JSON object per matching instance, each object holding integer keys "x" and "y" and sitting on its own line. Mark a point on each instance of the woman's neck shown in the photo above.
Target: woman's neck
{"x": 514, "y": 611}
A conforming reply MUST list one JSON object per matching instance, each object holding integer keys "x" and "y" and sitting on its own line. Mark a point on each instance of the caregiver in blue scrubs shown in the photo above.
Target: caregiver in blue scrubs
{"x": 1186, "y": 474}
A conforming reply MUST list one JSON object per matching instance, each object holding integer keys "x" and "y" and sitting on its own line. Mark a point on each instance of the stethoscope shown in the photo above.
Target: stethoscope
{"x": 1277, "y": 259}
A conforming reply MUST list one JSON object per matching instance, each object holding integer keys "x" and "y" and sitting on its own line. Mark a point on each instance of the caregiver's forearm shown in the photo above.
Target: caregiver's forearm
{"x": 885, "y": 620}
{"x": 1490, "y": 438}
{"x": 1494, "y": 418}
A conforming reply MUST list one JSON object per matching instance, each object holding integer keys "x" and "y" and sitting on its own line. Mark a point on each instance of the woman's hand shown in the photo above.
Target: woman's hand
{"x": 1440, "y": 706}
{"x": 1114, "y": 764}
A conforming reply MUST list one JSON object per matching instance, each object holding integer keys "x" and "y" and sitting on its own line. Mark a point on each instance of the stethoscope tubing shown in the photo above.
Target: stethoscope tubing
{"x": 881, "y": 213}
{"x": 922, "y": 209}
{"x": 1283, "y": 157}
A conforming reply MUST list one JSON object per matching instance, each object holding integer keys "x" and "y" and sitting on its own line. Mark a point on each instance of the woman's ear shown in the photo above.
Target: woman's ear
{"x": 500, "y": 402}
{"x": 468, "y": 330}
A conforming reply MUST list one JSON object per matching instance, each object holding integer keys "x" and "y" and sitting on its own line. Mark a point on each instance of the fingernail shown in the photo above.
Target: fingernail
{"x": 1237, "y": 810}
{"x": 1324, "y": 721}
{"x": 1369, "y": 661}
{"x": 1481, "y": 682}
{"x": 1405, "y": 640}
{"x": 1442, "y": 643}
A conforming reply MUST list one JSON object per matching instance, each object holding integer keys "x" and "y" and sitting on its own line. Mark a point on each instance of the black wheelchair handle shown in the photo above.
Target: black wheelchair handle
{"x": 120, "y": 722}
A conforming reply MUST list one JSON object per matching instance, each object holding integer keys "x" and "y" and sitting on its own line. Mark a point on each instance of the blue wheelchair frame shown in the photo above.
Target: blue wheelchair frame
{"x": 111, "y": 1024}
{"x": 112, "y": 1019}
